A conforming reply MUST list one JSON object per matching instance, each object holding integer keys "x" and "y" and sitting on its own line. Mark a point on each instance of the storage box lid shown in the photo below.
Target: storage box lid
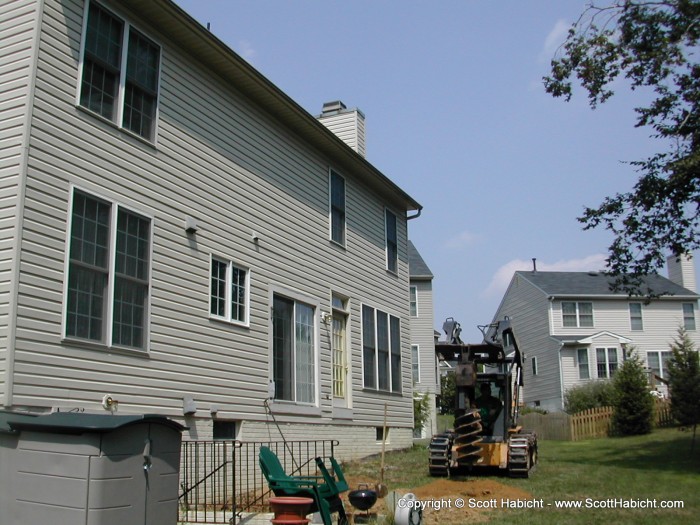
{"x": 78, "y": 423}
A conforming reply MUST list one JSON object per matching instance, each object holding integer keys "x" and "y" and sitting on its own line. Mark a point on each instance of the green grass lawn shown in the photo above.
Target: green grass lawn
{"x": 656, "y": 467}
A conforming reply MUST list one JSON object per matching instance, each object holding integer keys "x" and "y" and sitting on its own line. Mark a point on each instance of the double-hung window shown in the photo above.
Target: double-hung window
{"x": 293, "y": 350}
{"x": 392, "y": 252}
{"x": 415, "y": 357}
{"x": 381, "y": 350}
{"x": 689, "y": 316}
{"x": 582, "y": 359}
{"x": 658, "y": 362}
{"x": 575, "y": 314}
{"x": 413, "y": 301}
{"x": 337, "y": 204}
{"x": 636, "y": 316}
{"x": 606, "y": 362}
{"x": 108, "y": 274}
{"x": 229, "y": 291}
{"x": 120, "y": 73}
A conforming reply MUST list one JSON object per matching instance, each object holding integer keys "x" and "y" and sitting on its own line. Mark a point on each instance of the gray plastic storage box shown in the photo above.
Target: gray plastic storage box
{"x": 73, "y": 469}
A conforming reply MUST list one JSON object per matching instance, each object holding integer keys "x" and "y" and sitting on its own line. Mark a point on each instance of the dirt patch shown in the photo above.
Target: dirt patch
{"x": 442, "y": 498}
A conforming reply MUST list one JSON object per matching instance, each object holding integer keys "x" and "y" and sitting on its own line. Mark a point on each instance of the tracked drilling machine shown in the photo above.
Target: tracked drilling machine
{"x": 488, "y": 382}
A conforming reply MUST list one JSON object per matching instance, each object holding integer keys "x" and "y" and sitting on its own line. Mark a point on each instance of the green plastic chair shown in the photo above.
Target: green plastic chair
{"x": 325, "y": 490}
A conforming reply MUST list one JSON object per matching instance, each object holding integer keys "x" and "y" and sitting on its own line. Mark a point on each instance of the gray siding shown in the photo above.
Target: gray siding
{"x": 233, "y": 168}
{"x": 18, "y": 23}
{"x": 422, "y": 334}
{"x": 528, "y": 309}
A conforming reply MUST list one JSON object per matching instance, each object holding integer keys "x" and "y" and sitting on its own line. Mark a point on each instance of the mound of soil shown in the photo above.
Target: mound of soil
{"x": 442, "y": 494}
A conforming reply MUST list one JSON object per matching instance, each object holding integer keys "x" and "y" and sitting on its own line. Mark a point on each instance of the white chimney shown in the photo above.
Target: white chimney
{"x": 682, "y": 271}
{"x": 347, "y": 124}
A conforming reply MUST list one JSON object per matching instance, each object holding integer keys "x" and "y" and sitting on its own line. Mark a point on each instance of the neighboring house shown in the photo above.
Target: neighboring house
{"x": 178, "y": 235}
{"x": 426, "y": 380}
{"x": 573, "y": 329}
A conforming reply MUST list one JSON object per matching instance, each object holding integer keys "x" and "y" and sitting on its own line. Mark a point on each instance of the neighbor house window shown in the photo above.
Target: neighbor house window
{"x": 658, "y": 362}
{"x": 533, "y": 361}
{"x": 606, "y": 362}
{"x": 337, "y": 192}
{"x": 108, "y": 273}
{"x": 689, "y": 316}
{"x": 120, "y": 72}
{"x": 636, "y": 316}
{"x": 413, "y": 301}
{"x": 229, "y": 291}
{"x": 576, "y": 314}
{"x": 293, "y": 350}
{"x": 415, "y": 359}
{"x": 392, "y": 252}
{"x": 582, "y": 359}
{"x": 381, "y": 350}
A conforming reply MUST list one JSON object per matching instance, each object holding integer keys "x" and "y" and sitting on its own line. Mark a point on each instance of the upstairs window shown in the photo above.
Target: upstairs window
{"x": 337, "y": 192}
{"x": 413, "y": 301}
{"x": 229, "y": 291}
{"x": 120, "y": 73}
{"x": 636, "y": 316}
{"x": 689, "y": 316}
{"x": 575, "y": 314}
{"x": 108, "y": 274}
{"x": 392, "y": 252}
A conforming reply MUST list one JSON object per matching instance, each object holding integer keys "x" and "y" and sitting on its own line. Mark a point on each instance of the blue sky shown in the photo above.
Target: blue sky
{"x": 457, "y": 116}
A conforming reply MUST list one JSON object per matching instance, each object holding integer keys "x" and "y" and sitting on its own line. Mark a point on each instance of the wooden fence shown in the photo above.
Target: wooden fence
{"x": 589, "y": 424}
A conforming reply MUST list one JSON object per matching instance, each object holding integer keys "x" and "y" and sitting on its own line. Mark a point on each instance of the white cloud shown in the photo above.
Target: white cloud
{"x": 554, "y": 39}
{"x": 461, "y": 240}
{"x": 504, "y": 274}
{"x": 245, "y": 49}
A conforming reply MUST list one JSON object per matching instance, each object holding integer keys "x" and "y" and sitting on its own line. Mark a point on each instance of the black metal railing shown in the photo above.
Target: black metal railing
{"x": 220, "y": 480}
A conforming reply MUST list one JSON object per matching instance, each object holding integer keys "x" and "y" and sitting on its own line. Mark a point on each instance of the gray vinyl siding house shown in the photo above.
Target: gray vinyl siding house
{"x": 168, "y": 239}
{"x": 426, "y": 380}
{"x": 573, "y": 329}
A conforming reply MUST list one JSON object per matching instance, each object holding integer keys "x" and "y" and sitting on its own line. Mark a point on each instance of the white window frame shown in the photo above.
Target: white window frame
{"x": 391, "y": 246}
{"x": 119, "y": 102}
{"x": 340, "y": 365}
{"x": 107, "y": 336}
{"x": 296, "y": 298}
{"x": 662, "y": 357}
{"x": 415, "y": 363}
{"x": 228, "y": 298}
{"x": 689, "y": 322}
{"x": 636, "y": 316}
{"x": 394, "y": 382}
{"x": 580, "y": 363}
{"x": 533, "y": 362}
{"x": 413, "y": 300}
{"x": 340, "y": 242}
{"x": 578, "y": 314}
{"x": 610, "y": 366}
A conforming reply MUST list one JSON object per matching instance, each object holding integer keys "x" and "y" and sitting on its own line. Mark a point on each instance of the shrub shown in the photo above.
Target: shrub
{"x": 684, "y": 381}
{"x": 634, "y": 404}
{"x": 589, "y": 395}
{"x": 448, "y": 391}
{"x": 421, "y": 410}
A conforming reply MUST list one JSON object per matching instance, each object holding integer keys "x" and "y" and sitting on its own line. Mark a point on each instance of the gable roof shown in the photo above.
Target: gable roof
{"x": 195, "y": 40}
{"x": 589, "y": 284}
{"x": 417, "y": 269}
